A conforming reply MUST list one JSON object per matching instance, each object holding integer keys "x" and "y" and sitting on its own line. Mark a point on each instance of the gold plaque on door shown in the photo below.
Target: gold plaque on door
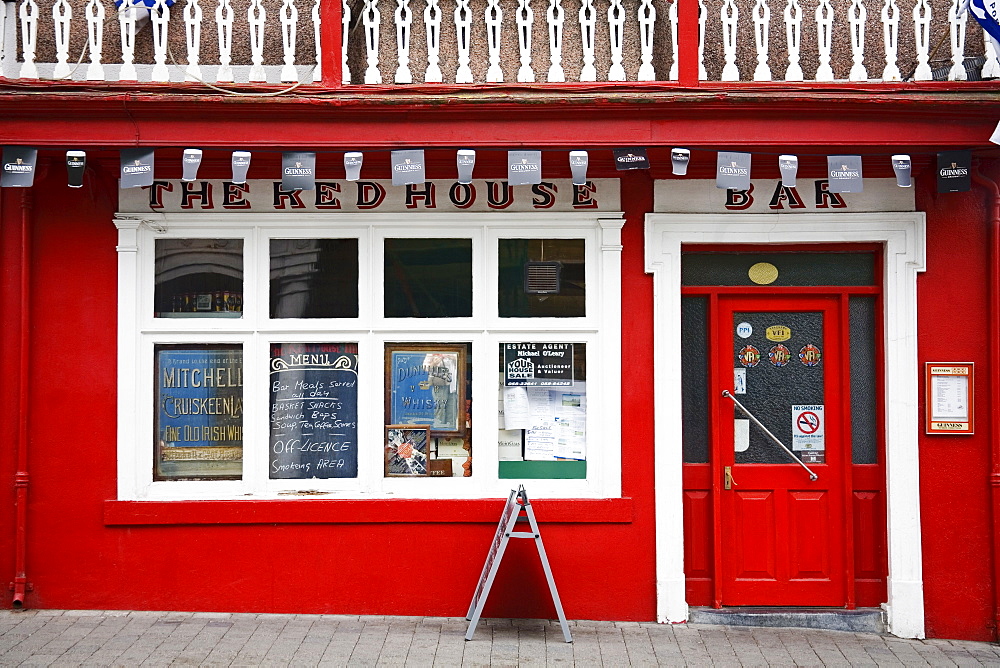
{"x": 778, "y": 333}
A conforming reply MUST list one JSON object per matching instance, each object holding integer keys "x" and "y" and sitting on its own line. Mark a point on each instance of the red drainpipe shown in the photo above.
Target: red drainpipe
{"x": 21, "y": 585}
{"x": 994, "y": 366}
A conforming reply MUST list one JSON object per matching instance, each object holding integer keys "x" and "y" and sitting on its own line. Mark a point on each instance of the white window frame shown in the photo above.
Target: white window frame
{"x": 139, "y": 331}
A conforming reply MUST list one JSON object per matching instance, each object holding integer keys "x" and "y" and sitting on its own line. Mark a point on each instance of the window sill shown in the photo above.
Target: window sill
{"x": 357, "y": 511}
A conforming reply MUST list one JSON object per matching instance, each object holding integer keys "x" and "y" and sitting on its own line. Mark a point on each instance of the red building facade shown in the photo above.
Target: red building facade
{"x": 252, "y": 397}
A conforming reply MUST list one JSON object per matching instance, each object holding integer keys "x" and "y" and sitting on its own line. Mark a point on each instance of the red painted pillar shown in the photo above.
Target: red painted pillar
{"x": 687, "y": 42}
{"x": 331, "y": 37}
{"x": 20, "y": 585}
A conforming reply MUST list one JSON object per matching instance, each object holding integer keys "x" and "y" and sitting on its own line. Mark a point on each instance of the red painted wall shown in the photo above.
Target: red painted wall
{"x": 954, "y": 470}
{"x": 10, "y": 233}
{"x": 604, "y": 570}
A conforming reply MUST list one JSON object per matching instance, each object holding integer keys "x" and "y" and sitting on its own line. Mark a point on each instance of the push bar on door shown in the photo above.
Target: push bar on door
{"x": 728, "y": 394}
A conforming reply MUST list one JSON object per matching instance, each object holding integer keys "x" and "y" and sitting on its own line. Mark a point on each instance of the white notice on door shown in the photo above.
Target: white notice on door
{"x": 739, "y": 381}
{"x": 808, "y": 432}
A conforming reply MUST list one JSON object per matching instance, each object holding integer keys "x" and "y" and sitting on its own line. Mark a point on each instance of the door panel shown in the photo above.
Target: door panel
{"x": 783, "y": 536}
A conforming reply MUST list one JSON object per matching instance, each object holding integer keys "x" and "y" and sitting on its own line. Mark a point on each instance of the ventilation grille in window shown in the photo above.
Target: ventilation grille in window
{"x": 542, "y": 278}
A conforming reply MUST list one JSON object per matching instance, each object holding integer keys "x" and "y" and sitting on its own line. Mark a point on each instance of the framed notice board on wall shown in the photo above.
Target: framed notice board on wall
{"x": 949, "y": 400}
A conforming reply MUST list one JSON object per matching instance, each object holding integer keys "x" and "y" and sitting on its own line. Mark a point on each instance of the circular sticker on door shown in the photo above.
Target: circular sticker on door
{"x": 779, "y": 355}
{"x": 744, "y": 329}
{"x": 749, "y": 356}
{"x": 810, "y": 355}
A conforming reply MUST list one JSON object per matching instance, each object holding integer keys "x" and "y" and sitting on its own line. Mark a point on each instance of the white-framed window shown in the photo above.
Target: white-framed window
{"x": 369, "y": 355}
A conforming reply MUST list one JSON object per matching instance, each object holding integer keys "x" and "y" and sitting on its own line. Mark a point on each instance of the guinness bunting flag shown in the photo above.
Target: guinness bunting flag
{"x": 136, "y": 167}
{"x": 524, "y": 168}
{"x": 352, "y": 165}
{"x": 631, "y": 158}
{"x": 190, "y": 162}
{"x": 844, "y": 173}
{"x": 902, "y": 166}
{"x": 241, "y": 165}
{"x": 953, "y": 169}
{"x": 408, "y": 167}
{"x": 578, "y": 161}
{"x": 732, "y": 171}
{"x": 465, "y": 160}
{"x": 679, "y": 159}
{"x": 18, "y": 167}
{"x": 788, "y": 165}
{"x": 298, "y": 170}
{"x": 76, "y": 163}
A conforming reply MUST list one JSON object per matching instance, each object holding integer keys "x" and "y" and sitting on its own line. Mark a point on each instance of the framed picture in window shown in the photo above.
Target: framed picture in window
{"x": 407, "y": 450}
{"x": 425, "y": 386}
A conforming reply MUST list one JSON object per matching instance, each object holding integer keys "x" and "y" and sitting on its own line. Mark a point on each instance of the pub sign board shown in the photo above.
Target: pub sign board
{"x": 260, "y": 196}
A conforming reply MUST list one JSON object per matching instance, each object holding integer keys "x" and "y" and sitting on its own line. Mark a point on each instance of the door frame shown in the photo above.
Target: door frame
{"x": 903, "y": 235}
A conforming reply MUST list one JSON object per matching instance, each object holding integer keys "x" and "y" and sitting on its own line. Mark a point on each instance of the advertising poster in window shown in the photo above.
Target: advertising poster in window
{"x": 199, "y": 411}
{"x": 538, "y": 364}
{"x": 544, "y": 394}
{"x": 314, "y": 411}
{"x": 425, "y": 386}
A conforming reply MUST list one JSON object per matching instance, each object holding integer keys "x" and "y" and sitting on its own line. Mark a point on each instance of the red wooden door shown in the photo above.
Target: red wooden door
{"x": 782, "y": 537}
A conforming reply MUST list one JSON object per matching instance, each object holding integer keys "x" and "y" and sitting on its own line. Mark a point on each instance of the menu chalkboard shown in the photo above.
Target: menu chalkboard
{"x": 314, "y": 410}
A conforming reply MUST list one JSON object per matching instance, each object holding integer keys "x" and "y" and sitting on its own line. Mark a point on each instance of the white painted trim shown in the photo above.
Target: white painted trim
{"x": 903, "y": 236}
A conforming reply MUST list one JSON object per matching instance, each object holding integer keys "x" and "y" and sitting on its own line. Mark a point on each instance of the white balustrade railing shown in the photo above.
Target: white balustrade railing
{"x": 470, "y": 41}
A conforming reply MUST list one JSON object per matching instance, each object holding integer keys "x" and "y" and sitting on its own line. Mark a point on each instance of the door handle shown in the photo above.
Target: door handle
{"x": 729, "y": 482}
{"x": 727, "y": 394}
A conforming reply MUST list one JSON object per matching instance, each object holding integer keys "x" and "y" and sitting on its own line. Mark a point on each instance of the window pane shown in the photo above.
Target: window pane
{"x": 314, "y": 278}
{"x": 864, "y": 413}
{"x": 820, "y": 268}
{"x": 428, "y": 278}
{"x": 694, "y": 379}
{"x": 427, "y": 408}
{"x": 199, "y": 412}
{"x": 542, "y": 278}
{"x": 314, "y": 410}
{"x": 543, "y": 406}
{"x": 199, "y": 278}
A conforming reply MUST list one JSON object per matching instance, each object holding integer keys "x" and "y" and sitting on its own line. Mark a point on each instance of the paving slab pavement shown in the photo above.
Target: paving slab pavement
{"x": 130, "y": 638}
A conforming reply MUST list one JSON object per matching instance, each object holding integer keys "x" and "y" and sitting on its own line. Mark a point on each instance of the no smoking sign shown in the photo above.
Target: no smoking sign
{"x": 808, "y": 432}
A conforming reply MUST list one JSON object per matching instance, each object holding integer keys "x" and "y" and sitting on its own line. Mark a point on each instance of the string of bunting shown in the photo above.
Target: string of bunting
{"x": 524, "y": 167}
